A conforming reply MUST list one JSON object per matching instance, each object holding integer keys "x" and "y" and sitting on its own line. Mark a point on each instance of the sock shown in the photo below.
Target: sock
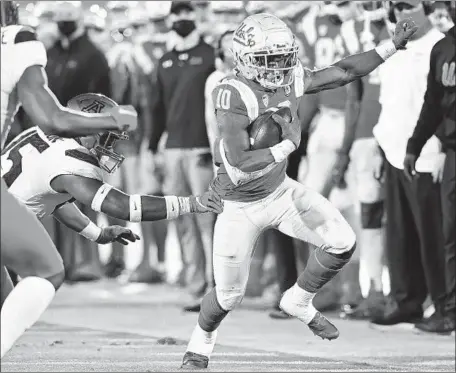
{"x": 321, "y": 267}
{"x": 22, "y": 308}
{"x": 211, "y": 314}
{"x": 202, "y": 342}
{"x": 304, "y": 299}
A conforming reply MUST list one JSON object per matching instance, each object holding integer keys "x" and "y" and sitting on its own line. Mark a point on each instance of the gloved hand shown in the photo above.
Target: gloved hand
{"x": 290, "y": 131}
{"x": 116, "y": 233}
{"x": 403, "y": 32}
{"x": 208, "y": 202}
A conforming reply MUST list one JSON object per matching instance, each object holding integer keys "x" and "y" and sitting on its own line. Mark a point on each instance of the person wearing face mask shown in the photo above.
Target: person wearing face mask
{"x": 179, "y": 109}
{"x": 438, "y": 112}
{"x": 414, "y": 238}
{"x": 76, "y": 65}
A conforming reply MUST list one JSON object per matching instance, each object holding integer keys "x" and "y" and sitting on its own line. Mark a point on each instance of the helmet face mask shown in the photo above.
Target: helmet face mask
{"x": 265, "y": 50}
{"x": 9, "y": 13}
{"x": 108, "y": 159}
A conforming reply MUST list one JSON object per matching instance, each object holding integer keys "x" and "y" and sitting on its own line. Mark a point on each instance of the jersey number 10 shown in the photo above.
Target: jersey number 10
{"x": 223, "y": 99}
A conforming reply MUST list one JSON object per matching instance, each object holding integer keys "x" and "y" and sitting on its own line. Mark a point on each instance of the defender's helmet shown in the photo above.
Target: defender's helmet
{"x": 265, "y": 50}
{"x": 9, "y": 13}
{"x": 103, "y": 149}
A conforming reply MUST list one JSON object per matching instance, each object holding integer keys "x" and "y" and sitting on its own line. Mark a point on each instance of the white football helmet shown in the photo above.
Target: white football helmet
{"x": 265, "y": 50}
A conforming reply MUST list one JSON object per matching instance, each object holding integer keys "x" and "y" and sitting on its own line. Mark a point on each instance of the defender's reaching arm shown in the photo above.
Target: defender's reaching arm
{"x": 104, "y": 198}
{"x": 358, "y": 65}
{"x": 70, "y": 215}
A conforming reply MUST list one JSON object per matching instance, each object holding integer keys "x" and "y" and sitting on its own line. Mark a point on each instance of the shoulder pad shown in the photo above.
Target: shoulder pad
{"x": 25, "y": 34}
{"x": 236, "y": 96}
{"x": 77, "y": 160}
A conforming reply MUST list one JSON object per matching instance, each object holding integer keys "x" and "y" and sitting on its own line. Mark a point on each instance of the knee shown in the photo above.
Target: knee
{"x": 344, "y": 242}
{"x": 372, "y": 215}
{"x": 229, "y": 299}
{"x": 57, "y": 279}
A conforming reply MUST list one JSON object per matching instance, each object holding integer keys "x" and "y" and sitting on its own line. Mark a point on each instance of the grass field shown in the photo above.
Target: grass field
{"x": 106, "y": 327}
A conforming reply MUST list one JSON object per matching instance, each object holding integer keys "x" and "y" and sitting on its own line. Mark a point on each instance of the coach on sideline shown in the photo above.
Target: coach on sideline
{"x": 439, "y": 111}
{"x": 179, "y": 109}
{"x": 414, "y": 238}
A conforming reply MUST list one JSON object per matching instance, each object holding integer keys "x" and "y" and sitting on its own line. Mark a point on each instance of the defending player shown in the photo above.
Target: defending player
{"x": 24, "y": 82}
{"x": 48, "y": 173}
{"x": 257, "y": 194}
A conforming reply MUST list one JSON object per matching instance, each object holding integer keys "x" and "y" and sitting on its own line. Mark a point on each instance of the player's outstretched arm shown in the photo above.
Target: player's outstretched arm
{"x": 47, "y": 113}
{"x": 358, "y": 65}
{"x": 104, "y": 198}
{"x": 70, "y": 215}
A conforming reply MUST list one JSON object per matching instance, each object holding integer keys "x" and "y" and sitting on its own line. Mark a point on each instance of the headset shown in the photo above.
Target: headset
{"x": 219, "y": 50}
{"x": 427, "y": 7}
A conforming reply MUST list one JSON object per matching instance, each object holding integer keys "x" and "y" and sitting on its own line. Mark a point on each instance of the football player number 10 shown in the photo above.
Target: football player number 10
{"x": 223, "y": 99}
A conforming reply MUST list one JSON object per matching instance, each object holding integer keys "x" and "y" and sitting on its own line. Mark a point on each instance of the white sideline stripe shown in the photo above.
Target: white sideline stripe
{"x": 170, "y": 362}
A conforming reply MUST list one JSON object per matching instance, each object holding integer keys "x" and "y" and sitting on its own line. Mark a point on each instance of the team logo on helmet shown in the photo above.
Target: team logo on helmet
{"x": 95, "y": 107}
{"x": 244, "y": 35}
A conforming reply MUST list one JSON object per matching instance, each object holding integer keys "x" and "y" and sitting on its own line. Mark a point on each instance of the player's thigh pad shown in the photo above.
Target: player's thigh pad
{"x": 235, "y": 237}
{"x": 26, "y": 247}
{"x": 363, "y": 157}
{"x": 312, "y": 218}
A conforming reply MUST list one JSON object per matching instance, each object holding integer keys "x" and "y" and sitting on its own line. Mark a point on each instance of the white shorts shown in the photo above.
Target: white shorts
{"x": 292, "y": 209}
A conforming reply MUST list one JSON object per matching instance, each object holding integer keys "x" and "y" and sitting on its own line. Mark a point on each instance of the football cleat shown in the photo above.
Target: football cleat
{"x": 194, "y": 361}
{"x": 319, "y": 325}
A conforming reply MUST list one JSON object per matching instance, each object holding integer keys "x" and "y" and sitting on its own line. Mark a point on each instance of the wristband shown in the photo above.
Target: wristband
{"x": 172, "y": 207}
{"x": 92, "y": 232}
{"x": 386, "y": 50}
{"x": 282, "y": 150}
{"x": 135, "y": 208}
{"x": 100, "y": 196}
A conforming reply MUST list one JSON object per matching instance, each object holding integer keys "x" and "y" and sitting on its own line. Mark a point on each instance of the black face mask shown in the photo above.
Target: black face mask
{"x": 67, "y": 27}
{"x": 184, "y": 27}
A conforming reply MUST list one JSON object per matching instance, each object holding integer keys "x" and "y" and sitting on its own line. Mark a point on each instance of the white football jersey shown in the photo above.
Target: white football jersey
{"x": 32, "y": 160}
{"x": 16, "y": 56}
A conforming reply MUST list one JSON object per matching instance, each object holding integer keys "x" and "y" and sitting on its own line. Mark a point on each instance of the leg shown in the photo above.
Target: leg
{"x": 370, "y": 194}
{"x": 232, "y": 257}
{"x": 449, "y": 221}
{"x": 428, "y": 219}
{"x": 408, "y": 289}
{"x": 35, "y": 259}
{"x": 312, "y": 218}
{"x": 176, "y": 183}
{"x": 199, "y": 173}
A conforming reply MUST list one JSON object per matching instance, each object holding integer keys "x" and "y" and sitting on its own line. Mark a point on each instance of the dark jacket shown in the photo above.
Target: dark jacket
{"x": 179, "y": 97}
{"x": 80, "y": 68}
{"x": 439, "y": 108}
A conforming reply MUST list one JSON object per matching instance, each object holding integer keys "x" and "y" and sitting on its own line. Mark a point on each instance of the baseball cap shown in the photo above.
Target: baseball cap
{"x": 179, "y": 6}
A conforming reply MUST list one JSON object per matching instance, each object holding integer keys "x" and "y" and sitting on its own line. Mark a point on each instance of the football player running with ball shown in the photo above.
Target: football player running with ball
{"x": 256, "y": 192}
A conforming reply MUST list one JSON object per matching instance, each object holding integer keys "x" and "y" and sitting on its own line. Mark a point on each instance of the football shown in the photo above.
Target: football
{"x": 91, "y": 103}
{"x": 264, "y": 132}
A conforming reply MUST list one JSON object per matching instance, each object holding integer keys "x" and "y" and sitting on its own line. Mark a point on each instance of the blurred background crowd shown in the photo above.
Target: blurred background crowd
{"x": 164, "y": 58}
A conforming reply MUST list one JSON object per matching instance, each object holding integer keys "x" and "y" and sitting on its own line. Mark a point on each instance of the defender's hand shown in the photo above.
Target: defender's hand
{"x": 409, "y": 166}
{"x": 117, "y": 233}
{"x": 290, "y": 131}
{"x": 126, "y": 117}
{"x": 403, "y": 32}
{"x": 340, "y": 168}
{"x": 208, "y": 202}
